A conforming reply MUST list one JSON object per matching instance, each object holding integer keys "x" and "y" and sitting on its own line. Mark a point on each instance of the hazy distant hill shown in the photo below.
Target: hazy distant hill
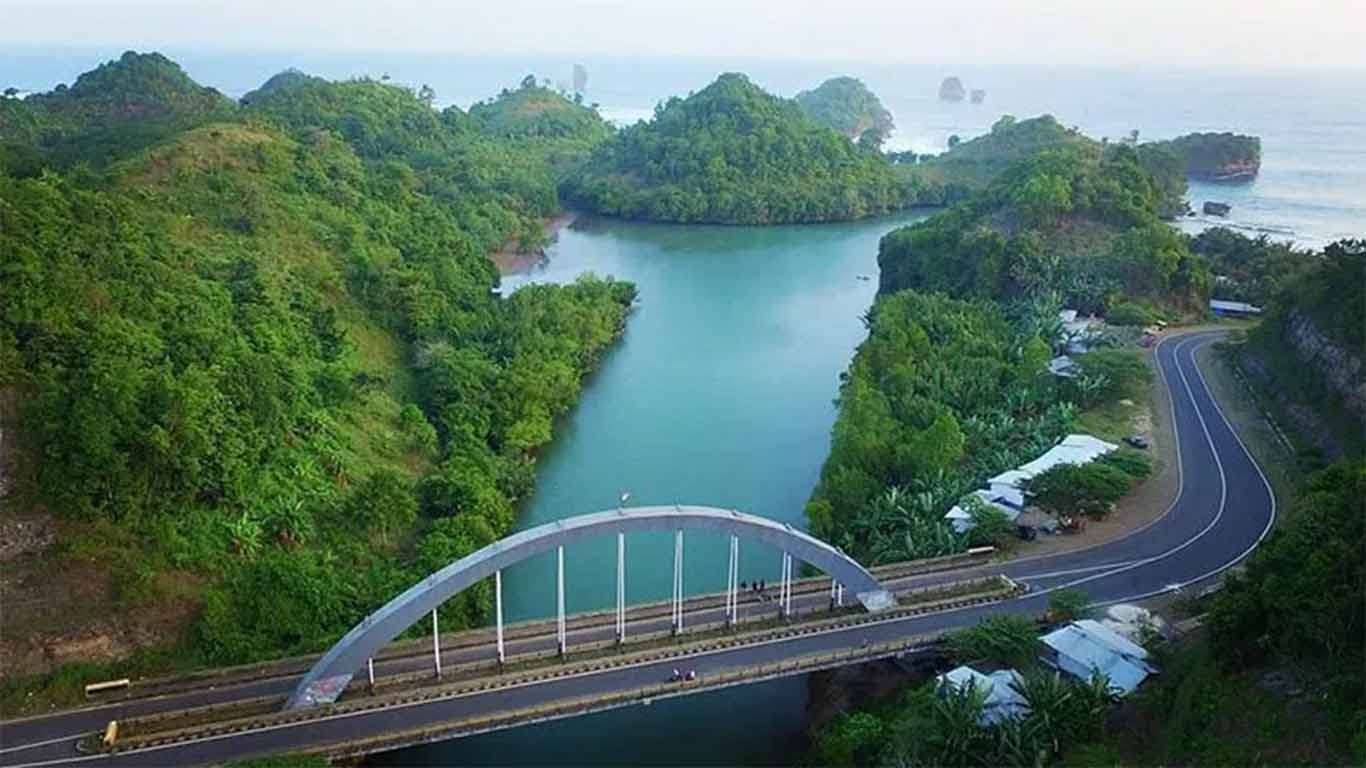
{"x": 126, "y": 104}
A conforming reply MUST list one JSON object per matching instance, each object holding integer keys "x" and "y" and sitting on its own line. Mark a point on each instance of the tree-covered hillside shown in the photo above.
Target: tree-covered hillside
{"x": 734, "y": 154}
{"x": 942, "y": 394}
{"x": 534, "y": 110}
{"x": 269, "y": 344}
{"x": 846, "y": 105}
{"x": 971, "y": 165}
{"x": 1080, "y": 222}
{"x": 132, "y": 102}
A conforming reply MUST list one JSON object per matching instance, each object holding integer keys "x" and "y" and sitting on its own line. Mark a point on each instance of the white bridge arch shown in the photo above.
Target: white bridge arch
{"x": 333, "y": 672}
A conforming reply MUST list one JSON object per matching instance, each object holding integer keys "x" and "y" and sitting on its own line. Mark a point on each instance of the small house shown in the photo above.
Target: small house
{"x": 1006, "y": 490}
{"x": 1002, "y": 700}
{"x": 1087, "y": 647}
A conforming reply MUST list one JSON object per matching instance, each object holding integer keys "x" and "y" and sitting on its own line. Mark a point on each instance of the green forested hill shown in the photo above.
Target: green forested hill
{"x": 1081, "y": 223}
{"x": 732, "y": 153}
{"x": 846, "y": 105}
{"x": 132, "y": 102}
{"x": 268, "y": 343}
{"x": 970, "y": 166}
{"x": 534, "y": 110}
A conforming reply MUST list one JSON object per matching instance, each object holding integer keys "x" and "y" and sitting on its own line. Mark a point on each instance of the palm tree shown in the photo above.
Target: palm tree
{"x": 958, "y": 735}
{"x": 1050, "y": 706}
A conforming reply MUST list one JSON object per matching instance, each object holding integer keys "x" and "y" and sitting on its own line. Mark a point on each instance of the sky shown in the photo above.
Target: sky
{"x": 1149, "y": 34}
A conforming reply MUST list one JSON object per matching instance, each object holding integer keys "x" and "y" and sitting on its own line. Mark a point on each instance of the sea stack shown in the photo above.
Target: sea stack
{"x": 951, "y": 90}
{"x": 978, "y": 95}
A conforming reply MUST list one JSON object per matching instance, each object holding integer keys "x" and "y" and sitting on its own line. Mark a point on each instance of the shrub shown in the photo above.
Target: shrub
{"x": 1069, "y": 605}
{"x": 1068, "y": 489}
{"x": 990, "y": 526}
{"x": 1127, "y": 313}
{"x": 1132, "y": 463}
{"x": 1006, "y": 639}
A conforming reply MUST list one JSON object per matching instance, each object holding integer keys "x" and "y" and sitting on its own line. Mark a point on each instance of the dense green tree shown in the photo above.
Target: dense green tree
{"x": 940, "y": 396}
{"x": 734, "y": 154}
{"x": 846, "y": 105}
{"x": 1073, "y": 218}
{"x": 267, "y": 344}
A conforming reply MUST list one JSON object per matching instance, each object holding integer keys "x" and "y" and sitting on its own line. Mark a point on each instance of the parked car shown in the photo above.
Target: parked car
{"x": 1138, "y": 441}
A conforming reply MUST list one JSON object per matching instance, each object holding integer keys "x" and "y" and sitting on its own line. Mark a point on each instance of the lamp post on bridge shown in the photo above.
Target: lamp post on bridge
{"x": 498, "y": 613}
{"x": 678, "y": 582}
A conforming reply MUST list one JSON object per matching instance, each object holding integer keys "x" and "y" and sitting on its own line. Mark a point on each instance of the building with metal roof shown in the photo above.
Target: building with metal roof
{"x": 1086, "y": 648}
{"x": 1002, "y": 700}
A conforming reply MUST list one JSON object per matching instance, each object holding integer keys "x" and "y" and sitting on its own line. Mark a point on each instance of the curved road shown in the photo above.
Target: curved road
{"x": 1224, "y": 507}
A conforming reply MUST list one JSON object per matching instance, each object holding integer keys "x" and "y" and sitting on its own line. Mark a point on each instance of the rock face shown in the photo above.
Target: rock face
{"x": 833, "y": 692}
{"x": 978, "y": 95}
{"x": 952, "y": 90}
{"x": 1217, "y": 209}
{"x": 1339, "y": 367}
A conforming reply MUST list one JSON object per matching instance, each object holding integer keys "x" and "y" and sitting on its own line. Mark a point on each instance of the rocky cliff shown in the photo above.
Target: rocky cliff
{"x": 952, "y": 90}
{"x": 1341, "y": 368}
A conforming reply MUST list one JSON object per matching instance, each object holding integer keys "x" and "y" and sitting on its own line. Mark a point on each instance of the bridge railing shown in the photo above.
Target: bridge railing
{"x": 587, "y": 704}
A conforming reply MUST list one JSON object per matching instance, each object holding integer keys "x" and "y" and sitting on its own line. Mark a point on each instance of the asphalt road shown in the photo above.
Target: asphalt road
{"x": 1224, "y": 507}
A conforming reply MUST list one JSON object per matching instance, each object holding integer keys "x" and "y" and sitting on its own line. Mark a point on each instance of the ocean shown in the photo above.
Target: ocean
{"x": 1311, "y": 190}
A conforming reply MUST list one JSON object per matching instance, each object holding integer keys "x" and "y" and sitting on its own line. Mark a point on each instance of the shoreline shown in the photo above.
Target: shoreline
{"x": 511, "y": 261}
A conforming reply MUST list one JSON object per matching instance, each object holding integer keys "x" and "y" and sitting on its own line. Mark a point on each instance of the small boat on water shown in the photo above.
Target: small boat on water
{"x": 865, "y": 277}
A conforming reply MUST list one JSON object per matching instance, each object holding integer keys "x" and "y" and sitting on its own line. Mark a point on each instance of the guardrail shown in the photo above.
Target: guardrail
{"x": 468, "y": 638}
{"x": 588, "y": 704}
{"x": 191, "y": 724}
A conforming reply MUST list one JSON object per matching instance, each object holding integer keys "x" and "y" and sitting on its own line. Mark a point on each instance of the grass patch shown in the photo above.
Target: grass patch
{"x": 1111, "y": 421}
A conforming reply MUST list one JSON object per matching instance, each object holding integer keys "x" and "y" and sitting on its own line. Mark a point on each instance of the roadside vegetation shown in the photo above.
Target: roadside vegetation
{"x": 1277, "y": 677}
{"x": 942, "y": 394}
{"x": 1305, "y": 359}
{"x": 263, "y": 373}
{"x": 929, "y": 724}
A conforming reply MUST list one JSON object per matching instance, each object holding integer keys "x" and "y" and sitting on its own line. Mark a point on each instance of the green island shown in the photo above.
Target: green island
{"x": 734, "y": 154}
{"x": 970, "y": 166}
{"x": 1216, "y": 156}
{"x": 1083, "y": 221}
{"x": 256, "y": 342}
{"x": 846, "y": 105}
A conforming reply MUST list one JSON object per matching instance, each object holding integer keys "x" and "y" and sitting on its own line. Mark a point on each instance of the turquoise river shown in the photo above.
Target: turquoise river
{"x": 721, "y": 392}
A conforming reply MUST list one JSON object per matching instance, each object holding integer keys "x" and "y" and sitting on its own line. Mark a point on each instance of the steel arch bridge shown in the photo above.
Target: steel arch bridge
{"x": 325, "y": 681}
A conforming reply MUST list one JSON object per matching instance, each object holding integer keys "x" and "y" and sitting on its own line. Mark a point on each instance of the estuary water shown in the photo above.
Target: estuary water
{"x": 720, "y": 393}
